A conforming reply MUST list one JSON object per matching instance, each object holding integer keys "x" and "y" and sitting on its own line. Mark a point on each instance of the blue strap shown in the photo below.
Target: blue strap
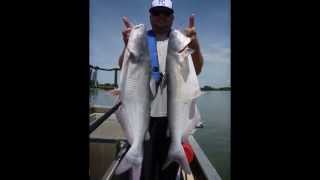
{"x": 152, "y": 45}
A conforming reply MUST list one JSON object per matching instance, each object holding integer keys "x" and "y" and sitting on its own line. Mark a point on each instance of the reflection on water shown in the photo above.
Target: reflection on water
{"x": 214, "y": 138}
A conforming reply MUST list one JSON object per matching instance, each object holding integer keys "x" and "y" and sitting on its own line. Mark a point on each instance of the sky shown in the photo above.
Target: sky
{"x": 212, "y": 22}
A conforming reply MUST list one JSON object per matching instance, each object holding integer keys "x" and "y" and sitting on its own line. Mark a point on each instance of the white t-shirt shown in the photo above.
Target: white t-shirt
{"x": 159, "y": 103}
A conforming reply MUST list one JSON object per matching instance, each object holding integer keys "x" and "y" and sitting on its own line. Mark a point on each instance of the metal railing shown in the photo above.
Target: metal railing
{"x": 95, "y": 124}
{"x": 96, "y": 68}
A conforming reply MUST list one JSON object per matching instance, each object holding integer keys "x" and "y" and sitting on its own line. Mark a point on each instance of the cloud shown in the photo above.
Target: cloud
{"x": 217, "y": 55}
{"x": 216, "y": 70}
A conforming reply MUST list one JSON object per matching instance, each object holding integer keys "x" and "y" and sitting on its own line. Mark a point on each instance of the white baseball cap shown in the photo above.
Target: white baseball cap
{"x": 161, "y": 3}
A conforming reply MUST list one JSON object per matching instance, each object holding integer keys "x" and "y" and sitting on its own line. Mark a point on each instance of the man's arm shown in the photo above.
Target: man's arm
{"x": 121, "y": 57}
{"x": 197, "y": 58}
{"x": 194, "y": 44}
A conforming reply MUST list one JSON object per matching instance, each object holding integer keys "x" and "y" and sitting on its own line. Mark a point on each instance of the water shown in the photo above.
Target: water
{"x": 214, "y": 138}
{"x": 101, "y": 97}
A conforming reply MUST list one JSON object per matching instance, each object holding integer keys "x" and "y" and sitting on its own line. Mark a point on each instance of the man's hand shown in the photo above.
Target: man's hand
{"x": 197, "y": 58}
{"x": 190, "y": 31}
{"x": 115, "y": 92}
{"x": 127, "y": 30}
{"x": 125, "y": 37}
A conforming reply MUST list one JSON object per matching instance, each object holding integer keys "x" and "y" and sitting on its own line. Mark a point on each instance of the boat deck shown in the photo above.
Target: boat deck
{"x": 104, "y": 151}
{"x": 109, "y": 131}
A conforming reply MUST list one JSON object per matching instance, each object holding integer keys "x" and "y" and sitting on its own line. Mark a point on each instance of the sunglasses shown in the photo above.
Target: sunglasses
{"x": 158, "y": 12}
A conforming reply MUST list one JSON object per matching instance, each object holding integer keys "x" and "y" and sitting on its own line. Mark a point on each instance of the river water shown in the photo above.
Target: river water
{"x": 214, "y": 138}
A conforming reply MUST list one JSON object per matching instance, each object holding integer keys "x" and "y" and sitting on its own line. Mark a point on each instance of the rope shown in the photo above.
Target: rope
{"x": 103, "y": 69}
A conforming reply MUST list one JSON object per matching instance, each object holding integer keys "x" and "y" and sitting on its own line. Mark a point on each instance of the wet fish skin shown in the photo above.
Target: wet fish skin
{"x": 183, "y": 89}
{"x": 135, "y": 98}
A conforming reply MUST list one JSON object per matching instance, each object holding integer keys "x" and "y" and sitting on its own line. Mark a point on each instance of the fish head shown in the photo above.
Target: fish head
{"x": 137, "y": 41}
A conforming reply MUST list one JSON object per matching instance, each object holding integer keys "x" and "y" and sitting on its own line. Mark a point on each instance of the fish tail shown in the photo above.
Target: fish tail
{"x": 177, "y": 154}
{"x": 132, "y": 159}
{"x": 136, "y": 173}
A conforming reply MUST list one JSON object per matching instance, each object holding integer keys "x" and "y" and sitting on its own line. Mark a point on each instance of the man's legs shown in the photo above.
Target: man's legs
{"x": 148, "y": 171}
{"x": 156, "y": 151}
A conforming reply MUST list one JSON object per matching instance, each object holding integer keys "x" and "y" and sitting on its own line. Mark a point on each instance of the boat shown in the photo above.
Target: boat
{"x": 108, "y": 145}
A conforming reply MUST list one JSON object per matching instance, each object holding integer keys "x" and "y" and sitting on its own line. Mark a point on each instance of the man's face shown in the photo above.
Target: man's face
{"x": 161, "y": 19}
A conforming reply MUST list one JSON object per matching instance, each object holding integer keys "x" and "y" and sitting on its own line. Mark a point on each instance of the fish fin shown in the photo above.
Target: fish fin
{"x": 166, "y": 164}
{"x": 178, "y": 155}
{"x": 153, "y": 88}
{"x": 185, "y": 138}
{"x": 194, "y": 119}
{"x": 147, "y": 136}
{"x": 130, "y": 160}
{"x": 124, "y": 165}
{"x": 136, "y": 172}
{"x": 168, "y": 132}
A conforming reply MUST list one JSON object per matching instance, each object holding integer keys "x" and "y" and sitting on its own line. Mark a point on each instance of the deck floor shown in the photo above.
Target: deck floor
{"x": 109, "y": 130}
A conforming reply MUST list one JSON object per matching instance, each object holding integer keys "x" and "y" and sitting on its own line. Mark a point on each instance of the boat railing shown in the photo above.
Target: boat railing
{"x": 208, "y": 172}
{"x": 96, "y": 123}
{"x": 123, "y": 148}
{"x": 94, "y": 70}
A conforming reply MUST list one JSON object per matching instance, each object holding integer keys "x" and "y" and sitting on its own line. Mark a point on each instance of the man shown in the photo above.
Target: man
{"x": 161, "y": 19}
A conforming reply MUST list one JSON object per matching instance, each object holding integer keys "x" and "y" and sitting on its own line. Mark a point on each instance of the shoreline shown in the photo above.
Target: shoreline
{"x": 217, "y": 90}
